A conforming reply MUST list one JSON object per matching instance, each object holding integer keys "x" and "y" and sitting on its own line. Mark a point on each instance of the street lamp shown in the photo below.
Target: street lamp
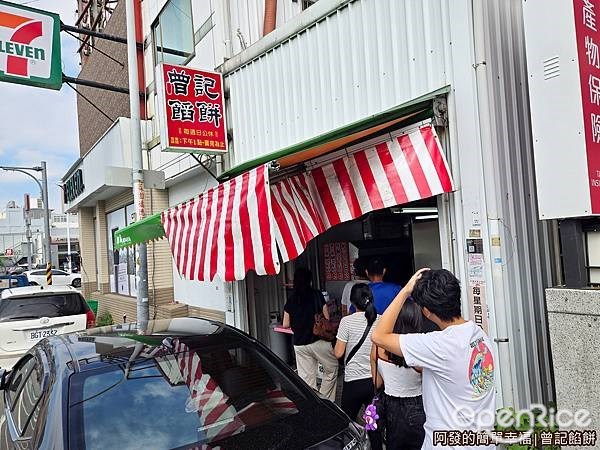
{"x": 43, "y": 185}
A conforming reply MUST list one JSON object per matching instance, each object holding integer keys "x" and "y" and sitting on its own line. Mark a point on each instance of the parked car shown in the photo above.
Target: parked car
{"x": 12, "y": 281}
{"x": 29, "y": 314}
{"x": 59, "y": 278}
{"x": 16, "y": 270}
{"x": 185, "y": 384}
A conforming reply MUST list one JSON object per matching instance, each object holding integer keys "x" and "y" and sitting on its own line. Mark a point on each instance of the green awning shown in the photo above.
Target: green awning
{"x": 412, "y": 108}
{"x": 145, "y": 230}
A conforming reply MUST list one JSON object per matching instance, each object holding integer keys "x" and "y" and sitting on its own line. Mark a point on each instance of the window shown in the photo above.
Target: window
{"x": 173, "y": 33}
{"x": 308, "y": 3}
{"x": 25, "y": 308}
{"x": 59, "y": 272}
{"x": 121, "y": 263}
{"x": 24, "y": 393}
{"x": 251, "y": 400}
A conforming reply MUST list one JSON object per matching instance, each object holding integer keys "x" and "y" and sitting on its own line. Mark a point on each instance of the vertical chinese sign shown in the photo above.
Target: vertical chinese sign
{"x": 588, "y": 41}
{"x": 191, "y": 108}
{"x": 478, "y": 307}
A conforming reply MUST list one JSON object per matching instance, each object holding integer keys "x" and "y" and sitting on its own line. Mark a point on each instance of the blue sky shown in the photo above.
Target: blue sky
{"x": 40, "y": 124}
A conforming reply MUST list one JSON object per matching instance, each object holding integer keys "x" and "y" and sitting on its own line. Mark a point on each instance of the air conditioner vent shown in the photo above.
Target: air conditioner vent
{"x": 551, "y": 68}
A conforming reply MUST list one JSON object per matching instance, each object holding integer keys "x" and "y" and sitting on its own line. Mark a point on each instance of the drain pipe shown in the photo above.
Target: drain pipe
{"x": 501, "y": 308}
{"x": 270, "y": 16}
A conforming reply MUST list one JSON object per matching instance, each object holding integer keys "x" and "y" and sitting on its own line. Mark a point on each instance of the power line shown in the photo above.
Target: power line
{"x": 89, "y": 101}
{"x": 95, "y": 48}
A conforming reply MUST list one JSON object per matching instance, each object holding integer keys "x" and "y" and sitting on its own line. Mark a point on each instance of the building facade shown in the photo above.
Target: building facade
{"x": 337, "y": 77}
{"x": 13, "y": 236}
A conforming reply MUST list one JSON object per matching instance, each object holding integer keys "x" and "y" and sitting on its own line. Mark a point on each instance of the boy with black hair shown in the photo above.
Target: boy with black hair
{"x": 383, "y": 292}
{"x": 458, "y": 363}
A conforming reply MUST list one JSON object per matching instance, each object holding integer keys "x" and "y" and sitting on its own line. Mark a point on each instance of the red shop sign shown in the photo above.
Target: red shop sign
{"x": 191, "y": 108}
{"x": 587, "y": 24}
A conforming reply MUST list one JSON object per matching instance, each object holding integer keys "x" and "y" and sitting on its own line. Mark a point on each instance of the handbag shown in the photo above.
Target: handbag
{"x": 323, "y": 328}
{"x": 374, "y": 415}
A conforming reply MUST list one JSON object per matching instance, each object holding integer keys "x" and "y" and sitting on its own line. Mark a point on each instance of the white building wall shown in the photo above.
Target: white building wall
{"x": 361, "y": 59}
{"x": 236, "y": 24}
{"x": 316, "y": 78}
{"x": 209, "y": 295}
{"x": 358, "y": 58}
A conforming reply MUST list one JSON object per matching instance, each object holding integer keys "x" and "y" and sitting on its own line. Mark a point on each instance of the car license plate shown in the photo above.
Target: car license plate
{"x": 36, "y": 335}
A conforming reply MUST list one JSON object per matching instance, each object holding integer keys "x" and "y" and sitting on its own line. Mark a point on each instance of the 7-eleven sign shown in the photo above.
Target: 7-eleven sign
{"x": 29, "y": 46}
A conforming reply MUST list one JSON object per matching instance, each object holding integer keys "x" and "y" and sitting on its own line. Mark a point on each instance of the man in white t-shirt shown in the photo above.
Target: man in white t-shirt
{"x": 359, "y": 275}
{"x": 458, "y": 362}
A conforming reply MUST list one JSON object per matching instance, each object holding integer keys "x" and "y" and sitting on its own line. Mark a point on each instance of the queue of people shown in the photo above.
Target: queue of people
{"x": 419, "y": 381}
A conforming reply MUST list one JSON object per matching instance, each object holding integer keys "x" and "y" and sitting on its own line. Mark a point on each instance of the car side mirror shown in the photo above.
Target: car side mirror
{"x": 4, "y": 376}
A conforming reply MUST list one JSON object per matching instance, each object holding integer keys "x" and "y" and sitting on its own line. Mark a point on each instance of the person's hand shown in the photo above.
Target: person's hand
{"x": 413, "y": 280}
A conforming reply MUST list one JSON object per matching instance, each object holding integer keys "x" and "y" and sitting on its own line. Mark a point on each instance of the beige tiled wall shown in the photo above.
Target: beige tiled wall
{"x": 87, "y": 250}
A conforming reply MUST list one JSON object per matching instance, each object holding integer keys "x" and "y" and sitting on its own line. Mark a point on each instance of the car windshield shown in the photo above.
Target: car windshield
{"x": 22, "y": 308}
{"x": 231, "y": 395}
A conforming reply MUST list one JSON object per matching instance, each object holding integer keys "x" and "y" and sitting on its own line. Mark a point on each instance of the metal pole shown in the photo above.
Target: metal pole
{"x": 143, "y": 311}
{"x": 46, "y": 213}
{"x": 27, "y": 230}
{"x": 69, "y": 263}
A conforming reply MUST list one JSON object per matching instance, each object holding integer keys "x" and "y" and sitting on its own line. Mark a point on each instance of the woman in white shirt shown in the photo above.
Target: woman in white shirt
{"x": 404, "y": 415}
{"x": 354, "y": 344}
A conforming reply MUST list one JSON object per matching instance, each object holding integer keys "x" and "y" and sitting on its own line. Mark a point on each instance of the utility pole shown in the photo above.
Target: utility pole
{"x": 69, "y": 262}
{"x": 27, "y": 229}
{"x": 143, "y": 310}
{"x": 46, "y": 213}
{"x": 44, "y": 192}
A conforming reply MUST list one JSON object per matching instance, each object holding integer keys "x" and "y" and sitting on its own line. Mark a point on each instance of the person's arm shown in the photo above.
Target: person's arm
{"x": 340, "y": 348}
{"x": 343, "y": 334}
{"x": 383, "y": 335}
{"x": 286, "y": 320}
{"x": 326, "y": 311}
{"x": 344, "y": 310}
{"x": 377, "y": 380}
{"x": 322, "y": 301}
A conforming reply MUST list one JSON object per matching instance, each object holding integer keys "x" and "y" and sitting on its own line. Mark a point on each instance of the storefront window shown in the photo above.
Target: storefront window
{"x": 173, "y": 33}
{"x": 121, "y": 263}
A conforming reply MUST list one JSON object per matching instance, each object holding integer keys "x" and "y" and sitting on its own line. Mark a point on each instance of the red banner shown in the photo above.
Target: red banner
{"x": 192, "y": 110}
{"x": 588, "y": 42}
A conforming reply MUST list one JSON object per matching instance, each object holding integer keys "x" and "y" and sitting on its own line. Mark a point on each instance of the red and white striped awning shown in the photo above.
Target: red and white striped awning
{"x": 226, "y": 231}
{"x": 239, "y": 225}
{"x": 407, "y": 168}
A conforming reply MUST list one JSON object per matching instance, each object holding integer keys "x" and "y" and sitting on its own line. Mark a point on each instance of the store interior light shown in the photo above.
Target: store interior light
{"x": 423, "y": 210}
{"x": 427, "y": 217}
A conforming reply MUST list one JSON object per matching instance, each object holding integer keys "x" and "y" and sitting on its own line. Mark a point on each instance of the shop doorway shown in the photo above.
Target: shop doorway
{"x": 405, "y": 237}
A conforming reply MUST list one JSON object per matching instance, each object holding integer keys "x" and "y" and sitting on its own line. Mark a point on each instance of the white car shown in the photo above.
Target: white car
{"x": 59, "y": 278}
{"x": 31, "y": 313}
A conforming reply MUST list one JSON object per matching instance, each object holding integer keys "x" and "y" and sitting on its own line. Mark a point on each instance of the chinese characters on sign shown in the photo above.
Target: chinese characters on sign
{"x": 192, "y": 110}
{"x": 469, "y": 438}
{"x": 588, "y": 40}
{"x": 336, "y": 261}
{"x": 478, "y": 310}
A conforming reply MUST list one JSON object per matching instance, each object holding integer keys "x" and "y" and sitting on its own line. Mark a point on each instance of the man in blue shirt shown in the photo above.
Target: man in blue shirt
{"x": 383, "y": 292}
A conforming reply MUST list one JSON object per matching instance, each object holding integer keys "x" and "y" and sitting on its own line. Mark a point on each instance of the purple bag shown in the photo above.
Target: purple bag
{"x": 374, "y": 412}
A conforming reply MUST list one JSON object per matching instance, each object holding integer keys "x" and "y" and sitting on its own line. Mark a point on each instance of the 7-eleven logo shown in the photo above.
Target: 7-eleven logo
{"x": 29, "y": 46}
{"x": 17, "y": 48}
